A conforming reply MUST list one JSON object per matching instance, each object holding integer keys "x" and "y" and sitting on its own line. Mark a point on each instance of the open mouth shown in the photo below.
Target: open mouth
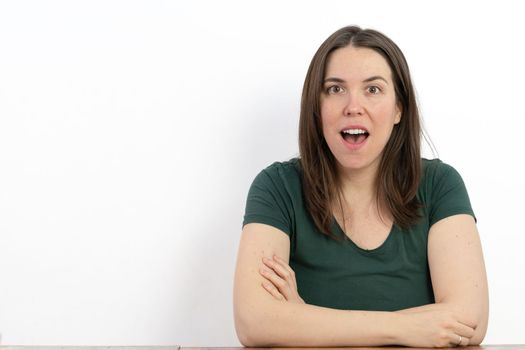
{"x": 355, "y": 136}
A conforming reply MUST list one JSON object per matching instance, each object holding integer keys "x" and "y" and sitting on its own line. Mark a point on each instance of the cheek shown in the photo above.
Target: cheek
{"x": 328, "y": 114}
{"x": 386, "y": 113}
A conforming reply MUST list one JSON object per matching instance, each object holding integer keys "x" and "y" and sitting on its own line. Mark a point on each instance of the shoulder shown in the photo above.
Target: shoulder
{"x": 443, "y": 191}
{"x": 435, "y": 166}
{"x": 291, "y": 166}
{"x": 438, "y": 178}
{"x": 275, "y": 195}
{"x": 280, "y": 181}
{"x": 281, "y": 172}
{"x": 435, "y": 171}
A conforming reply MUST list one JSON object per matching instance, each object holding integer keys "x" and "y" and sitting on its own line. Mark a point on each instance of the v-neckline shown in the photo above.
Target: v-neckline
{"x": 364, "y": 250}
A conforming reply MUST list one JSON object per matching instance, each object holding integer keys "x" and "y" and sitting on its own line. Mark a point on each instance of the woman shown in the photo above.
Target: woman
{"x": 359, "y": 242}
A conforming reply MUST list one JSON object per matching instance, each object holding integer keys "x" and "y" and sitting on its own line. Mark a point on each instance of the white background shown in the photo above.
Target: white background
{"x": 130, "y": 132}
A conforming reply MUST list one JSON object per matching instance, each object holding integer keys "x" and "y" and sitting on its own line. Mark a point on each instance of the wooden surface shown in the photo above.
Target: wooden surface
{"x": 482, "y": 347}
{"x": 53, "y": 347}
{"x": 176, "y": 347}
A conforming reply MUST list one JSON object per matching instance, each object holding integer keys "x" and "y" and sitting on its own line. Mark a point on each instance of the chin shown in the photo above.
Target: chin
{"x": 355, "y": 163}
{"x": 352, "y": 165}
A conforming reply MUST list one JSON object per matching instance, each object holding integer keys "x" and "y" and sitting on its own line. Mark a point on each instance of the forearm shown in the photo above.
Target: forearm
{"x": 283, "y": 324}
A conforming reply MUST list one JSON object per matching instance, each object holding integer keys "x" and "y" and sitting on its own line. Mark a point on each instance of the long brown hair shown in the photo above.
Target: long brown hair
{"x": 399, "y": 171}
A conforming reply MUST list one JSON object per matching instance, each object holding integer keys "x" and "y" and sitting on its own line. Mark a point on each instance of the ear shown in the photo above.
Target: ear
{"x": 397, "y": 118}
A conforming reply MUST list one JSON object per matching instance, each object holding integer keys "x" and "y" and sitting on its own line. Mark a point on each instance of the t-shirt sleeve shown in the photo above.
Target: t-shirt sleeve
{"x": 269, "y": 202}
{"x": 449, "y": 194}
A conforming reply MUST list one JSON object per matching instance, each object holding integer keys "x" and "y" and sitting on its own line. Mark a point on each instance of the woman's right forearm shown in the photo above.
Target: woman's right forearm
{"x": 284, "y": 324}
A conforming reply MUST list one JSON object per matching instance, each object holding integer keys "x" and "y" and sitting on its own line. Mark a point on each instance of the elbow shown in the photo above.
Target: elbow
{"x": 472, "y": 342}
{"x": 257, "y": 327}
{"x": 477, "y": 338}
{"x": 249, "y": 336}
{"x": 480, "y": 330}
{"x": 245, "y": 339}
{"x": 244, "y": 332}
{"x": 473, "y": 314}
{"x": 477, "y": 318}
{"x": 248, "y": 329}
{"x": 479, "y": 321}
{"x": 248, "y": 341}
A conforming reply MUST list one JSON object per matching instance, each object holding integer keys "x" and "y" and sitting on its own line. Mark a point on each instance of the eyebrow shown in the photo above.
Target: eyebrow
{"x": 339, "y": 80}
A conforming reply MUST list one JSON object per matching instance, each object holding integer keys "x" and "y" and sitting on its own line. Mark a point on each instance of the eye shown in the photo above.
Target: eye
{"x": 374, "y": 90}
{"x": 334, "y": 89}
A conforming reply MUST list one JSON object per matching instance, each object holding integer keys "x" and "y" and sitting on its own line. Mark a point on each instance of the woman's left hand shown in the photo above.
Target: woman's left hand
{"x": 280, "y": 280}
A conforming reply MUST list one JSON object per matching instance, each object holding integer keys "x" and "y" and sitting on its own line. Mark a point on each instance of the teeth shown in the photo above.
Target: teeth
{"x": 354, "y": 131}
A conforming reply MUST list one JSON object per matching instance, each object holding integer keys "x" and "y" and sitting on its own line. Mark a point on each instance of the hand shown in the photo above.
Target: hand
{"x": 434, "y": 328}
{"x": 280, "y": 280}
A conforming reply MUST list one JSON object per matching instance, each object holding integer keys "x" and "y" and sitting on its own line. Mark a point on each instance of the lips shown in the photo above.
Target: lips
{"x": 355, "y": 134}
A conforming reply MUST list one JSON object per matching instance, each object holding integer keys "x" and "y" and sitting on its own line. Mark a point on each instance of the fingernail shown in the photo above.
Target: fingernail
{"x": 265, "y": 259}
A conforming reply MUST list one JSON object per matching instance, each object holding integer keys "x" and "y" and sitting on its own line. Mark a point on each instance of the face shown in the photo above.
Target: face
{"x": 358, "y": 107}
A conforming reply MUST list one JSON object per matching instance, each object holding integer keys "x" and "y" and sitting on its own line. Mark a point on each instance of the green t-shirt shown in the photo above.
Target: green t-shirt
{"x": 341, "y": 275}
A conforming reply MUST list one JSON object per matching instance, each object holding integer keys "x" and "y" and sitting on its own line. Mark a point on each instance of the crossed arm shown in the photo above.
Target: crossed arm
{"x": 269, "y": 312}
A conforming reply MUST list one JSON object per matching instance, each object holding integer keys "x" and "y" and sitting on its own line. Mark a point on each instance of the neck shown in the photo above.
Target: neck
{"x": 359, "y": 195}
{"x": 358, "y": 186}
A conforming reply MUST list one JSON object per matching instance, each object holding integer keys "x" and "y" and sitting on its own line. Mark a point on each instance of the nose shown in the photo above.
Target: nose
{"x": 353, "y": 106}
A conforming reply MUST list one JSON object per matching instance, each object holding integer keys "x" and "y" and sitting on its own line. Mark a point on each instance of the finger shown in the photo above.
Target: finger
{"x": 464, "y": 330}
{"x": 286, "y": 266}
{"x": 291, "y": 274}
{"x": 282, "y": 262}
{"x": 281, "y": 270}
{"x": 465, "y": 342}
{"x": 277, "y": 281}
{"x": 458, "y": 340}
{"x": 270, "y": 288}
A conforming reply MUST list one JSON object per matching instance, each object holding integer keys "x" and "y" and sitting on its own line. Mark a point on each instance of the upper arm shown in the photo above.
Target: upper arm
{"x": 458, "y": 271}
{"x": 249, "y": 298}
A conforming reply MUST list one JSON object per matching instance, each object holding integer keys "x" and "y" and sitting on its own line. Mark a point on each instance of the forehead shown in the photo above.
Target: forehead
{"x": 351, "y": 63}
